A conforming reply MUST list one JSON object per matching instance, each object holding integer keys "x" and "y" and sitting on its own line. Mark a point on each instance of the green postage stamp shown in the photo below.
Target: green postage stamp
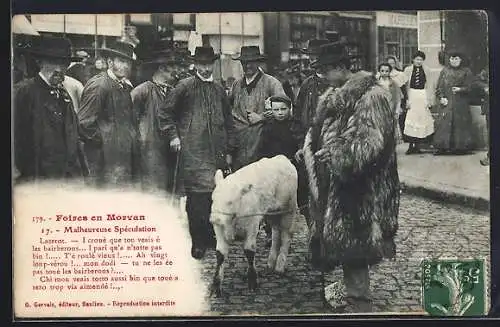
{"x": 454, "y": 287}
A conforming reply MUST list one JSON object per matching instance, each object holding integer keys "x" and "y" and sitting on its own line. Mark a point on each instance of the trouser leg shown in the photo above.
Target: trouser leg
{"x": 357, "y": 287}
{"x": 198, "y": 207}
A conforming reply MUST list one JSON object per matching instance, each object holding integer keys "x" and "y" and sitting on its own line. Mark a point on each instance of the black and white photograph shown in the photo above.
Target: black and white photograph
{"x": 251, "y": 163}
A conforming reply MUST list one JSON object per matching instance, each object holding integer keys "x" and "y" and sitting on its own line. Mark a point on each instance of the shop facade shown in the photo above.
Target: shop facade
{"x": 397, "y": 35}
{"x": 288, "y": 32}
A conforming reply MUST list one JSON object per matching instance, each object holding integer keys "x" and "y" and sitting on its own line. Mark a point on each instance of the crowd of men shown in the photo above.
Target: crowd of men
{"x": 172, "y": 132}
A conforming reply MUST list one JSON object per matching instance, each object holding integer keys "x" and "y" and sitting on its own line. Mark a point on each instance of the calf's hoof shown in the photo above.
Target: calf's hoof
{"x": 252, "y": 279}
{"x": 271, "y": 263}
{"x": 215, "y": 289}
{"x": 280, "y": 264}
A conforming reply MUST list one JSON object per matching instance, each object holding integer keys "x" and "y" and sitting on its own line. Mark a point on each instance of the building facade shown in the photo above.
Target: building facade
{"x": 84, "y": 30}
{"x": 397, "y": 35}
{"x": 466, "y": 31}
{"x": 287, "y": 32}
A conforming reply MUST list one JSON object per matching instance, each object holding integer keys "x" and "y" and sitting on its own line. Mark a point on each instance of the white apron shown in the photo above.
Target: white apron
{"x": 419, "y": 122}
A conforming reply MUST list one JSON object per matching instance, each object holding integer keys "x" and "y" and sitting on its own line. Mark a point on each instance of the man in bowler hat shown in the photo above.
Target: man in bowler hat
{"x": 46, "y": 129}
{"x": 109, "y": 123}
{"x": 196, "y": 119}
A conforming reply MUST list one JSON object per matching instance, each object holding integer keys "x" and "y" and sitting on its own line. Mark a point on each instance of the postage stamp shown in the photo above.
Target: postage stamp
{"x": 454, "y": 287}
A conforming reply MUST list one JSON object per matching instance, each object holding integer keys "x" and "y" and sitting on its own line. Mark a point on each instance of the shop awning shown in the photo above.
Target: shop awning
{"x": 21, "y": 25}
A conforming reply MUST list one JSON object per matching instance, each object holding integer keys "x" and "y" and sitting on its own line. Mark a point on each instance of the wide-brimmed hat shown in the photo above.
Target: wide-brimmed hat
{"x": 250, "y": 53}
{"x": 164, "y": 52}
{"x": 334, "y": 53}
{"x": 204, "y": 54}
{"x": 120, "y": 49}
{"x": 313, "y": 46}
{"x": 48, "y": 47}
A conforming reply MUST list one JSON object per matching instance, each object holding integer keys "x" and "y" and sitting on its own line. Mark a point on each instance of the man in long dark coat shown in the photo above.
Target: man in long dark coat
{"x": 109, "y": 122}
{"x": 350, "y": 157}
{"x": 305, "y": 107}
{"x": 157, "y": 161}
{"x": 46, "y": 129}
{"x": 197, "y": 120}
{"x": 482, "y": 87}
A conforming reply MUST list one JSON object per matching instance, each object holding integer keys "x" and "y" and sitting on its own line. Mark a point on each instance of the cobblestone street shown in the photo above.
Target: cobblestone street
{"x": 427, "y": 229}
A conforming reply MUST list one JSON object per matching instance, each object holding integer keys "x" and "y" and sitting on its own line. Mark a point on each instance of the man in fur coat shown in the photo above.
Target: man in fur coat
{"x": 350, "y": 158}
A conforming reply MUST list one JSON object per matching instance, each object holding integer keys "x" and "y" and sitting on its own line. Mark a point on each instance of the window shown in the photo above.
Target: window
{"x": 399, "y": 42}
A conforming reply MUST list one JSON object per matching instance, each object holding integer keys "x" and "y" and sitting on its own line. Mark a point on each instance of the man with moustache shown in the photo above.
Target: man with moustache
{"x": 248, "y": 98}
{"x": 46, "y": 129}
{"x": 109, "y": 123}
{"x": 157, "y": 162}
{"x": 350, "y": 158}
{"x": 196, "y": 118}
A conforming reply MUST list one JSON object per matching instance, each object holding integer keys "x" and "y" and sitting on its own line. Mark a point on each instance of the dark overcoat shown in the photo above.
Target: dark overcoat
{"x": 199, "y": 113}
{"x": 157, "y": 161}
{"x": 355, "y": 195}
{"x": 307, "y": 99}
{"x": 111, "y": 131}
{"x": 454, "y": 126}
{"x": 46, "y": 133}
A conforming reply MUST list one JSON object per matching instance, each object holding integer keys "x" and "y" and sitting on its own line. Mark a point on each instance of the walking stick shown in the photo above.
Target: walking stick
{"x": 174, "y": 186}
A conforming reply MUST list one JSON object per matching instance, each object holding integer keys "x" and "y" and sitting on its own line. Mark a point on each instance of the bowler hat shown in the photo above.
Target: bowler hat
{"x": 204, "y": 54}
{"x": 334, "y": 53}
{"x": 163, "y": 52}
{"x": 250, "y": 53}
{"x": 119, "y": 49}
{"x": 313, "y": 46}
{"x": 49, "y": 47}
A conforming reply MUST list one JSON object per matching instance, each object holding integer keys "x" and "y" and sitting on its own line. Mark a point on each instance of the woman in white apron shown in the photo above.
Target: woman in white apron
{"x": 419, "y": 124}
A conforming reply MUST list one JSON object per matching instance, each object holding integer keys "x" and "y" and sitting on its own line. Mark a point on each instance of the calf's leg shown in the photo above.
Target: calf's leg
{"x": 222, "y": 249}
{"x": 275, "y": 244}
{"x": 285, "y": 226}
{"x": 250, "y": 246}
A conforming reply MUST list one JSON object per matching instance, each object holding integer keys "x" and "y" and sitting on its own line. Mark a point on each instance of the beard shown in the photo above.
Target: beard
{"x": 56, "y": 78}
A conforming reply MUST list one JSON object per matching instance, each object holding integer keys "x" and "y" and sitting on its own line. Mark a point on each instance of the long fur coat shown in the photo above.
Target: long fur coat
{"x": 354, "y": 198}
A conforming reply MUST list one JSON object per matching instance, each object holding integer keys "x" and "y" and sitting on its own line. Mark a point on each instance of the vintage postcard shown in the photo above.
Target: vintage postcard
{"x": 251, "y": 163}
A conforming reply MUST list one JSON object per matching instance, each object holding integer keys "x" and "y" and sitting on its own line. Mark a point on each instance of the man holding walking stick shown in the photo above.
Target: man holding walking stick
{"x": 196, "y": 118}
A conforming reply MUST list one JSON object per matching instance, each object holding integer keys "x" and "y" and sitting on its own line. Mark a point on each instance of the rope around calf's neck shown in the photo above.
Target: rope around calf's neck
{"x": 261, "y": 213}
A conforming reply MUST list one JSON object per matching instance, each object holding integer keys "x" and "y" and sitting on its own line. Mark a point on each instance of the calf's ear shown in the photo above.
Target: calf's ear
{"x": 218, "y": 176}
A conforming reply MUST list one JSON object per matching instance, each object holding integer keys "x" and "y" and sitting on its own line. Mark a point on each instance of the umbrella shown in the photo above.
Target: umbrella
{"x": 21, "y": 25}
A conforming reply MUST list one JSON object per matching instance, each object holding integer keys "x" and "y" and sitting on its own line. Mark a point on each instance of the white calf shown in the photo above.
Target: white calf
{"x": 266, "y": 189}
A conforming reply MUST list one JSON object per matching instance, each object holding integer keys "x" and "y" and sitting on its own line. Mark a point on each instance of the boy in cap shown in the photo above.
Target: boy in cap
{"x": 282, "y": 135}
